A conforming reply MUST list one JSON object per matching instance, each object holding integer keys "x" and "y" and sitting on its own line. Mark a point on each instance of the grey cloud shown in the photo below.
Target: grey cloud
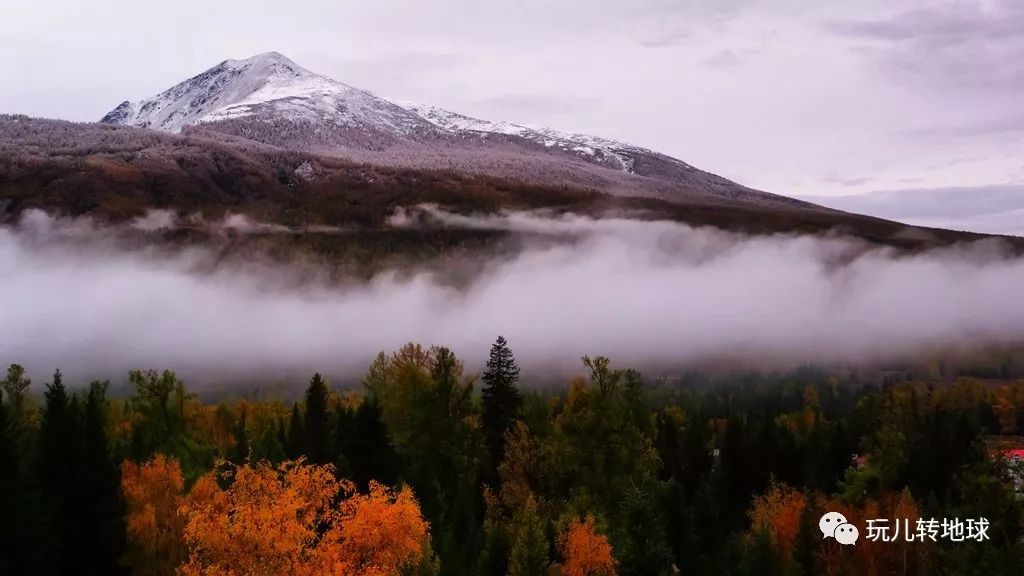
{"x": 1005, "y": 125}
{"x": 967, "y": 54}
{"x": 848, "y": 181}
{"x": 946, "y": 23}
{"x": 664, "y": 39}
{"x": 997, "y": 209}
{"x": 667, "y": 23}
{"x": 722, "y": 59}
{"x": 965, "y": 44}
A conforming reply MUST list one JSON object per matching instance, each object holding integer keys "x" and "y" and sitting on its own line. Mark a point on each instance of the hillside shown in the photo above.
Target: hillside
{"x": 117, "y": 173}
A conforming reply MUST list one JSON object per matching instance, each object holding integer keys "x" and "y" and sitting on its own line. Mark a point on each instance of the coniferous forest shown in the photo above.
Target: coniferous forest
{"x": 429, "y": 469}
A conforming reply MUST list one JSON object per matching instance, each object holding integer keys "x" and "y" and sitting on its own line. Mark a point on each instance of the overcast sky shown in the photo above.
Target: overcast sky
{"x": 799, "y": 97}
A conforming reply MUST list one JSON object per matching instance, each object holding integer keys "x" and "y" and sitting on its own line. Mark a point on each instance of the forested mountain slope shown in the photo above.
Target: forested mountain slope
{"x": 117, "y": 173}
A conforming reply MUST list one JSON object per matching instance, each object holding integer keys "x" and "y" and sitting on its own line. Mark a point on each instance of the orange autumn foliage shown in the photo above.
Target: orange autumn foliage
{"x": 265, "y": 522}
{"x": 778, "y": 512}
{"x": 875, "y": 558}
{"x": 586, "y": 552}
{"x": 288, "y": 520}
{"x": 152, "y": 493}
{"x": 380, "y": 532}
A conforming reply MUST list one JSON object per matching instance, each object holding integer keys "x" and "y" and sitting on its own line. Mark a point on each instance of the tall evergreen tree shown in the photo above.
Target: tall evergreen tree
{"x": 445, "y": 460}
{"x": 502, "y": 402}
{"x": 640, "y": 542}
{"x": 54, "y": 466}
{"x": 344, "y": 427}
{"x": 57, "y": 466}
{"x": 100, "y": 507}
{"x": 295, "y": 445}
{"x": 319, "y": 443}
{"x": 370, "y": 454}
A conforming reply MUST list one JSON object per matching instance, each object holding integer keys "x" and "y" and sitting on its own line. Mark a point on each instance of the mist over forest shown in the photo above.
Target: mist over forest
{"x": 662, "y": 296}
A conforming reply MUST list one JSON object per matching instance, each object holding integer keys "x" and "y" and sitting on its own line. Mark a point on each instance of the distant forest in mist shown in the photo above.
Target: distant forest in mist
{"x": 428, "y": 468}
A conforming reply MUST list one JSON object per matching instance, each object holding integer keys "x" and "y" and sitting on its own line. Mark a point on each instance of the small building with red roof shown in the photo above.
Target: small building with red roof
{"x": 1015, "y": 456}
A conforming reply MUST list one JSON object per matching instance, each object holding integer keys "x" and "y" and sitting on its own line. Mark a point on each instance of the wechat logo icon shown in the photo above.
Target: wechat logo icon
{"x": 834, "y": 525}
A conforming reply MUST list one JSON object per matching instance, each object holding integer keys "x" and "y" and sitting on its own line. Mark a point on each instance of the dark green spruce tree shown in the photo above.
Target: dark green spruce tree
{"x": 319, "y": 441}
{"x": 57, "y": 467}
{"x": 295, "y": 438}
{"x": 100, "y": 507}
{"x": 502, "y": 402}
{"x": 344, "y": 426}
{"x": 369, "y": 453}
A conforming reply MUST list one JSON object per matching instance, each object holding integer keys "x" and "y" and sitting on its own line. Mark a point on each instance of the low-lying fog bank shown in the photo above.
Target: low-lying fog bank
{"x": 648, "y": 294}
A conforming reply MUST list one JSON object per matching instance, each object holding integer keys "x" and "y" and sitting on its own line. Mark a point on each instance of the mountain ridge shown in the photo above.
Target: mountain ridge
{"x": 239, "y": 88}
{"x": 271, "y": 99}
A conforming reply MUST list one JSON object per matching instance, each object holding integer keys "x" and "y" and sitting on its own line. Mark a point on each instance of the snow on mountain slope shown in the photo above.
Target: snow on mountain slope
{"x": 269, "y": 86}
{"x": 595, "y": 147}
{"x": 267, "y": 83}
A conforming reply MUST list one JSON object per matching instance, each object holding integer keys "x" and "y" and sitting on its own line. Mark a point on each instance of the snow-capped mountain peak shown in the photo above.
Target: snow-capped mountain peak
{"x": 300, "y": 107}
{"x": 263, "y": 83}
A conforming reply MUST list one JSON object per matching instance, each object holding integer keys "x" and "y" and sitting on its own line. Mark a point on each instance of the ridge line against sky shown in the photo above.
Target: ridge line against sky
{"x": 807, "y": 99}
